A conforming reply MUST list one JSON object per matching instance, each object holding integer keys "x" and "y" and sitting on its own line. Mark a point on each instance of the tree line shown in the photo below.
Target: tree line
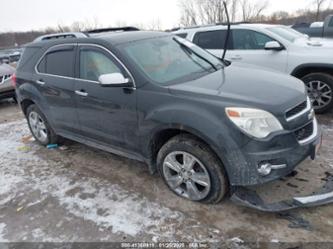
{"x": 194, "y": 12}
{"x": 201, "y": 12}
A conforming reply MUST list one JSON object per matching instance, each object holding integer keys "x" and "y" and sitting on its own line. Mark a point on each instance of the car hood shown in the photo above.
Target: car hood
{"x": 6, "y": 69}
{"x": 248, "y": 86}
{"x": 318, "y": 43}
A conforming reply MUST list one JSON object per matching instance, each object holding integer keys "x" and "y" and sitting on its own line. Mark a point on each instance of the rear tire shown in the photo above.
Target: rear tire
{"x": 320, "y": 90}
{"x": 39, "y": 127}
{"x": 204, "y": 181}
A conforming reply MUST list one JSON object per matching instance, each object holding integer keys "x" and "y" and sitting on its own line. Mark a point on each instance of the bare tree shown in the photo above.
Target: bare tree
{"x": 252, "y": 10}
{"x": 319, "y": 5}
{"x": 154, "y": 25}
{"x": 189, "y": 13}
{"x": 195, "y": 12}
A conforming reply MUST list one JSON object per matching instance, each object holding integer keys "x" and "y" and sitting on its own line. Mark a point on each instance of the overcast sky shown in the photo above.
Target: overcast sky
{"x": 23, "y": 15}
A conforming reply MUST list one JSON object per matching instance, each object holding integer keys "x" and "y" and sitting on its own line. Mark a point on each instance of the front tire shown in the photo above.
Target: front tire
{"x": 320, "y": 91}
{"x": 191, "y": 170}
{"x": 39, "y": 126}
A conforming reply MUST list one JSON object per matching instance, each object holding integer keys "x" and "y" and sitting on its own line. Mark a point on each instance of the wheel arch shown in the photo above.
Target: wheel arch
{"x": 305, "y": 69}
{"x": 163, "y": 135}
{"x": 25, "y": 103}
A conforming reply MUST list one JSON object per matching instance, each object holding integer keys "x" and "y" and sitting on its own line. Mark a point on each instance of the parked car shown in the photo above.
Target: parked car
{"x": 276, "y": 47}
{"x": 317, "y": 29}
{"x": 7, "y": 90}
{"x": 10, "y": 58}
{"x": 160, "y": 99}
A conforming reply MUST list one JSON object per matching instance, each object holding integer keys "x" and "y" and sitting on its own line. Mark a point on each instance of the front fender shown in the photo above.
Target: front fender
{"x": 198, "y": 121}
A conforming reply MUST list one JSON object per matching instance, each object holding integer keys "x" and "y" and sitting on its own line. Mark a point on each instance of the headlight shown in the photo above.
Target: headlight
{"x": 254, "y": 122}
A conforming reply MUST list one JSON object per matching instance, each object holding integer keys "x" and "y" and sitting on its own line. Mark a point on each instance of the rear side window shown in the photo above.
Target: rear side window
{"x": 59, "y": 62}
{"x": 210, "y": 39}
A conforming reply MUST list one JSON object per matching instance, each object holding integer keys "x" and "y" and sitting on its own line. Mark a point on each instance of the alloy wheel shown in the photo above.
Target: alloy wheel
{"x": 186, "y": 175}
{"x": 38, "y": 127}
{"x": 320, "y": 93}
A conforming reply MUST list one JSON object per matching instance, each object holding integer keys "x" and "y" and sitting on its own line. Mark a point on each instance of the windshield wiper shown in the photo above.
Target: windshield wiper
{"x": 200, "y": 56}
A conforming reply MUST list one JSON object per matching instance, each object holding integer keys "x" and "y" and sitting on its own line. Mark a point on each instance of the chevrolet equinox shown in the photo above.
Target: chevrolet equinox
{"x": 204, "y": 125}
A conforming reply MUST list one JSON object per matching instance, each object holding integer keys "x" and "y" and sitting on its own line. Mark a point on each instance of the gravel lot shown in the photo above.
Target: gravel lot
{"x": 83, "y": 194}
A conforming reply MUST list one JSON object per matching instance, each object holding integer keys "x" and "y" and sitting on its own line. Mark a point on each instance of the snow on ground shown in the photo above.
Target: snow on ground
{"x": 2, "y": 231}
{"x": 95, "y": 200}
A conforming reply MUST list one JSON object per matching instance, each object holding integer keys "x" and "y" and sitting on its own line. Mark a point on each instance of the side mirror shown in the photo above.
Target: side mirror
{"x": 114, "y": 79}
{"x": 273, "y": 45}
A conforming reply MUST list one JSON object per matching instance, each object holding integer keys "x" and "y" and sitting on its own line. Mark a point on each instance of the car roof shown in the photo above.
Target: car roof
{"x": 116, "y": 38}
{"x": 113, "y": 38}
{"x": 215, "y": 27}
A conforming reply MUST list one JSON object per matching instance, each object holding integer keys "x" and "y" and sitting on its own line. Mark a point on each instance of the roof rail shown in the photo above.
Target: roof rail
{"x": 210, "y": 25}
{"x": 233, "y": 23}
{"x": 103, "y": 30}
{"x": 60, "y": 36}
{"x": 82, "y": 34}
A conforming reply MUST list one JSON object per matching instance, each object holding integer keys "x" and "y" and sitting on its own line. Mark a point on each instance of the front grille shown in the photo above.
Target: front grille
{"x": 4, "y": 77}
{"x": 296, "y": 110}
{"x": 304, "y": 132}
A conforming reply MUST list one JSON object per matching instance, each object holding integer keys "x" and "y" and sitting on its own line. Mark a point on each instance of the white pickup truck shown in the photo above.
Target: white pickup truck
{"x": 276, "y": 47}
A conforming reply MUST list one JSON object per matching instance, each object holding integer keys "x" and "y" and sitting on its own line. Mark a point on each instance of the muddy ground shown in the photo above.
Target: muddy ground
{"x": 83, "y": 194}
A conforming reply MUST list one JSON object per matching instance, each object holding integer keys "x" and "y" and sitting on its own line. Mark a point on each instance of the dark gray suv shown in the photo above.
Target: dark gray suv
{"x": 205, "y": 126}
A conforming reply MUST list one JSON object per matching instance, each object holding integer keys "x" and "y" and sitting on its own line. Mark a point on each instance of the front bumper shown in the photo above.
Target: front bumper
{"x": 249, "y": 198}
{"x": 283, "y": 149}
{"x": 7, "y": 94}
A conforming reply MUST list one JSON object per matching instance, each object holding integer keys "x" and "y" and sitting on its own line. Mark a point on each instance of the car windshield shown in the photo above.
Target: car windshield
{"x": 171, "y": 59}
{"x": 287, "y": 33}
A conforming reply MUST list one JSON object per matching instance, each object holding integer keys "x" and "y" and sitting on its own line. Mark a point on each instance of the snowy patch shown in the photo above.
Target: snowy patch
{"x": 38, "y": 233}
{"x": 237, "y": 240}
{"x": 2, "y": 232}
{"x": 95, "y": 200}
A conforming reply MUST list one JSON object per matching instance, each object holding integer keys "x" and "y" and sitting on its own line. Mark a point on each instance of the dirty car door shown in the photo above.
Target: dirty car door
{"x": 55, "y": 80}
{"x": 107, "y": 114}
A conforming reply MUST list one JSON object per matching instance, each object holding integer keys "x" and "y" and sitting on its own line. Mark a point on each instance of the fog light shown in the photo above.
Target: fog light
{"x": 264, "y": 169}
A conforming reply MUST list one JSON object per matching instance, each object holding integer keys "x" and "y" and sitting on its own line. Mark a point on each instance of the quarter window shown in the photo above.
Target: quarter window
{"x": 182, "y": 35}
{"x": 249, "y": 40}
{"x": 94, "y": 63}
{"x": 59, "y": 63}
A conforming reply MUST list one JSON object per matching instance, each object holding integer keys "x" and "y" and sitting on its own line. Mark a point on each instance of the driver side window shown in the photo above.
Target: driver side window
{"x": 249, "y": 40}
{"x": 94, "y": 63}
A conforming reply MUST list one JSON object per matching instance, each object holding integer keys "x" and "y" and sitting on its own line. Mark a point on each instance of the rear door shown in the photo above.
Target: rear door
{"x": 213, "y": 41}
{"x": 55, "y": 80}
{"x": 107, "y": 114}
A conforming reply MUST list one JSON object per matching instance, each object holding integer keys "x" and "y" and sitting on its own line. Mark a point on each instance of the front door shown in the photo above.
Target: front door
{"x": 249, "y": 47}
{"x": 107, "y": 114}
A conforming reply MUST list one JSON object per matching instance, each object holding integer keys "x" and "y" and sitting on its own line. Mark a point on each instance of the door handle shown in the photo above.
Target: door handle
{"x": 236, "y": 58}
{"x": 40, "y": 82}
{"x": 81, "y": 93}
